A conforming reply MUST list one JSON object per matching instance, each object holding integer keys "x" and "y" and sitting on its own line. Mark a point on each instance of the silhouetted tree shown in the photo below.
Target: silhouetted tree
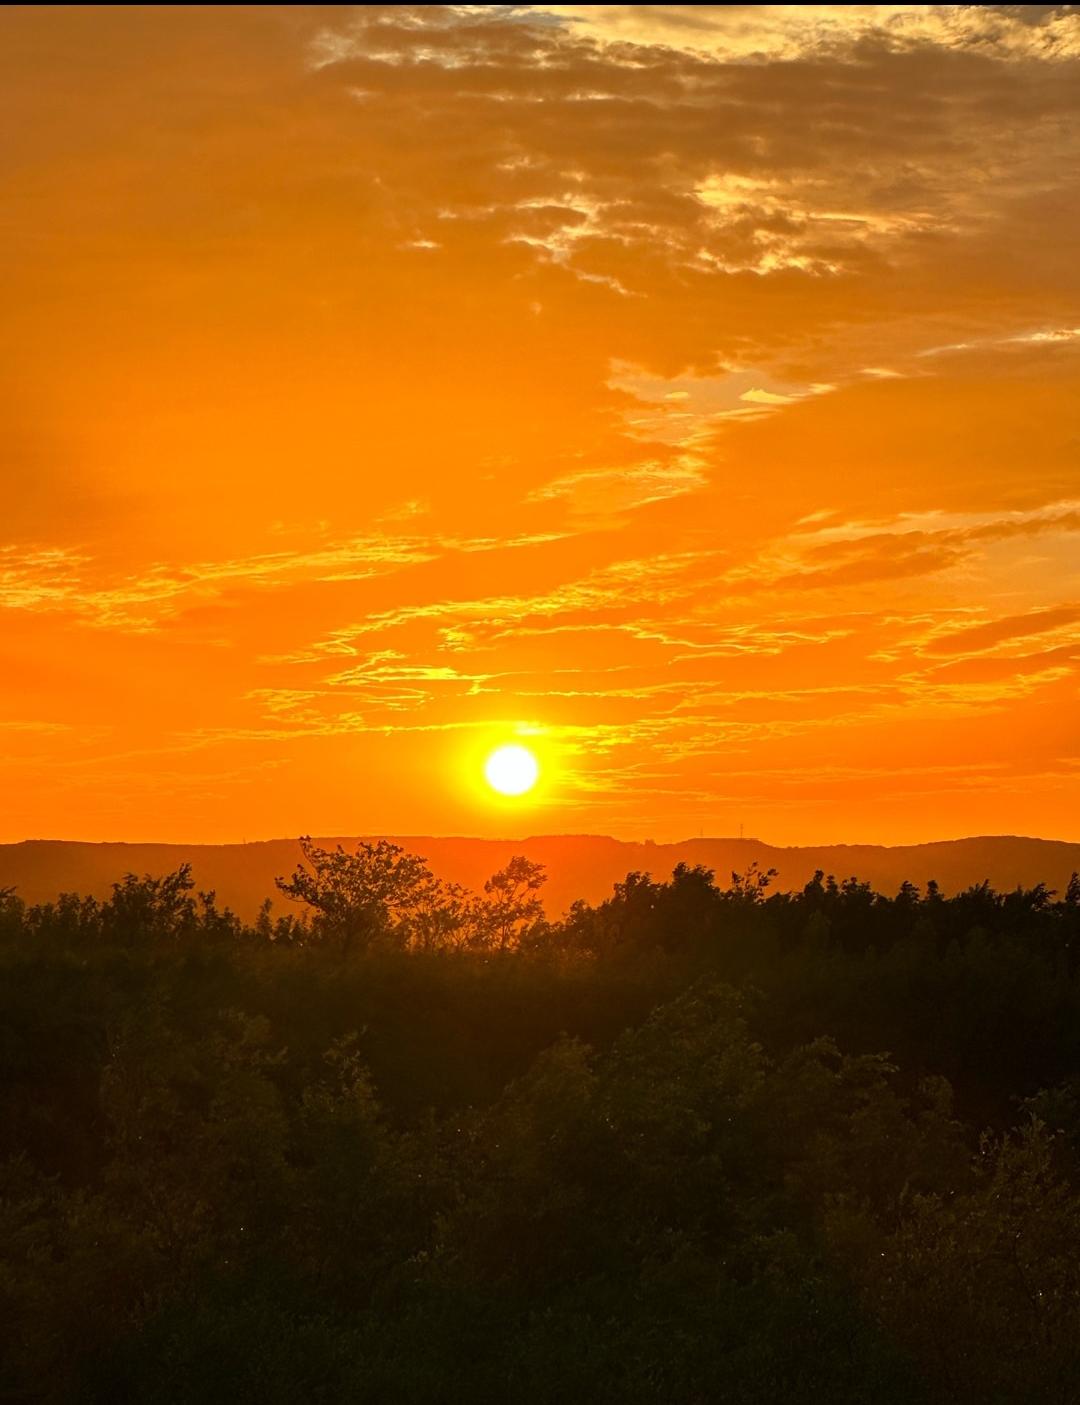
{"x": 513, "y": 911}
{"x": 375, "y": 895}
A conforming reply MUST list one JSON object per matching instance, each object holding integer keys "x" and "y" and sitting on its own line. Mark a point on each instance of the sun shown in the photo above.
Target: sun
{"x": 511, "y": 770}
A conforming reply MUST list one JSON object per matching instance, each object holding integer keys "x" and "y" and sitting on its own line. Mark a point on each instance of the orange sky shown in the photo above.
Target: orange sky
{"x": 693, "y": 390}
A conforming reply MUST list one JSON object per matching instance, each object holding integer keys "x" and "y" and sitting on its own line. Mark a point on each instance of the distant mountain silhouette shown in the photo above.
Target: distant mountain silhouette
{"x": 579, "y": 866}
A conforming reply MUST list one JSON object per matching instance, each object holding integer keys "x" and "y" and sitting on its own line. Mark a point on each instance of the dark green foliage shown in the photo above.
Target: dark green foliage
{"x": 428, "y": 1147}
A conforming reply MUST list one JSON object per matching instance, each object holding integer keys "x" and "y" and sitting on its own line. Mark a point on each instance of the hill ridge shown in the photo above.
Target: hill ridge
{"x": 579, "y": 866}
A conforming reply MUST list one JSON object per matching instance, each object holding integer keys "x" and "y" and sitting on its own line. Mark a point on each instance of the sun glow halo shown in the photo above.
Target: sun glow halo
{"x": 511, "y": 770}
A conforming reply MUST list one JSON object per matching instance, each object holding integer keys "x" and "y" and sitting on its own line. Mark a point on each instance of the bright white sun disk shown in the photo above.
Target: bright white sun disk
{"x": 511, "y": 770}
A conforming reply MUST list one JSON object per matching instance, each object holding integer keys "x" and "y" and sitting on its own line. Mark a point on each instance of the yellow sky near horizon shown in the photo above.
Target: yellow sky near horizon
{"x": 689, "y": 391}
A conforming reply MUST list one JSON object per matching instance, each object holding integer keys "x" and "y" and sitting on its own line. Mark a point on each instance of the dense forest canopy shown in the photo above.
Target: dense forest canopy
{"x": 695, "y": 1142}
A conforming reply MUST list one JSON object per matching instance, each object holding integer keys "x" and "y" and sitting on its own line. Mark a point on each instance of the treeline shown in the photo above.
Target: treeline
{"x": 406, "y": 1143}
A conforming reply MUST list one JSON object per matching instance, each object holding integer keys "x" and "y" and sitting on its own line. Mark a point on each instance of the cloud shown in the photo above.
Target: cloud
{"x": 43, "y": 579}
{"x": 757, "y": 396}
{"x": 784, "y": 32}
{"x": 600, "y": 493}
{"x": 1018, "y": 670}
{"x": 622, "y": 584}
{"x": 50, "y": 580}
{"x": 977, "y": 638}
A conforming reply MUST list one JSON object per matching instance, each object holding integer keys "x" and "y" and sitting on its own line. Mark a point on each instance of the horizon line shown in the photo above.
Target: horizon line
{"x": 531, "y": 838}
